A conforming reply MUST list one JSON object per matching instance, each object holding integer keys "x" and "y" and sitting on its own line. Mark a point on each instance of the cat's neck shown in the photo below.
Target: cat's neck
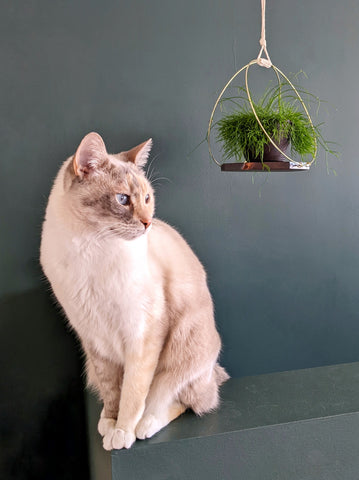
{"x": 110, "y": 245}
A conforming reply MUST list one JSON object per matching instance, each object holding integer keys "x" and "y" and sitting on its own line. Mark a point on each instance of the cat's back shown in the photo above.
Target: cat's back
{"x": 170, "y": 253}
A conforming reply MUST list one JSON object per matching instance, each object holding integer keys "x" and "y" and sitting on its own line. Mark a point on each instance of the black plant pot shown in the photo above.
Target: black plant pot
{"x": 271, "y": 154}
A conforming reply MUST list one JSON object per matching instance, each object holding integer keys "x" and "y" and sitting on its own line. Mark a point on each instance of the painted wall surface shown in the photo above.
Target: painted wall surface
{"x": 281, "y": 254}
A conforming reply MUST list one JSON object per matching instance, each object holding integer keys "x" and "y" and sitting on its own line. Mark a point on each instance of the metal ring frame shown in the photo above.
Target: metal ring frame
{"x": 278, "y": 73}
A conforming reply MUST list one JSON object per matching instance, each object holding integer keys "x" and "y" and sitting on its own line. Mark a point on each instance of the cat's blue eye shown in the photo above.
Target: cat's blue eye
{"x": 123, "y": 199}
{"x": 147, "y": 198}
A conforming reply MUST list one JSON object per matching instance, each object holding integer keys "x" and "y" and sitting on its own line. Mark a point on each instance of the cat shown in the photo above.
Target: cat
{"x": 133, "y": 291}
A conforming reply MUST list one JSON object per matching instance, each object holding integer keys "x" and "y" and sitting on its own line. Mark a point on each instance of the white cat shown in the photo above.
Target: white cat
{"x": 134, "y": 292}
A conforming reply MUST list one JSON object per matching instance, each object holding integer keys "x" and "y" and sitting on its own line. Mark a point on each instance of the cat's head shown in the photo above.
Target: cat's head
{"x": 110, "y": 193}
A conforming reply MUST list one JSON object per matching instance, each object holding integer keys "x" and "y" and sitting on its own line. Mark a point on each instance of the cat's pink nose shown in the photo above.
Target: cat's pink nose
{"x": 146, "y": 223}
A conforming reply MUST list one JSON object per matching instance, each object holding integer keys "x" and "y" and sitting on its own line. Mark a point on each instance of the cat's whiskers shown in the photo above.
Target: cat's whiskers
{"x": 157, "y": 181}
{"x": 149, "y": 172}
{"x": 103, "y": 233}
{"x": 112, "y": 231}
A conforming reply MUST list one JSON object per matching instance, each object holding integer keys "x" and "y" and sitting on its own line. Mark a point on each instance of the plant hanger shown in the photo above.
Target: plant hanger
{"x": 287, "y": 163}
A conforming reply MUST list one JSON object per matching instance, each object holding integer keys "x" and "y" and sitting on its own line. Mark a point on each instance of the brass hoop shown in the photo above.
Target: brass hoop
{"x": 278, "y": 73}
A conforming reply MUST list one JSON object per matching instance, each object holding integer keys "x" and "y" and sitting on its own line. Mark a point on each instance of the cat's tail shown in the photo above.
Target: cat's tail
{"x": 221, "y": 375}
{"x": 202, "y": 394}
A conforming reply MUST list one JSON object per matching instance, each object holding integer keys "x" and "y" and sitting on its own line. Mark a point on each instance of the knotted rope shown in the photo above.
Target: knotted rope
{"x": 263, "y": 62}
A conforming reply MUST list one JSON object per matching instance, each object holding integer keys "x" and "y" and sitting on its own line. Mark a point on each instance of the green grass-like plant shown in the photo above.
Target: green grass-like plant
{"x": 280, "y": 113}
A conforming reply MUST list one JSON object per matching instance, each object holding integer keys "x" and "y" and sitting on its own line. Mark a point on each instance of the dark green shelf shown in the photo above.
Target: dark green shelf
{"x": 298, "y": 425}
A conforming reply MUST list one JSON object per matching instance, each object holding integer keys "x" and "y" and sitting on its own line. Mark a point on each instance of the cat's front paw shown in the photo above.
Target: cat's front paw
{"x": 105, "y": 425}
{"x": 148, "y": 426}
{"x": 116, "y": 438}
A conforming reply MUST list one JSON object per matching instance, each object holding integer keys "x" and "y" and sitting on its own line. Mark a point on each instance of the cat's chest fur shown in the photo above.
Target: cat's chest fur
{"x": 103, "y": 287}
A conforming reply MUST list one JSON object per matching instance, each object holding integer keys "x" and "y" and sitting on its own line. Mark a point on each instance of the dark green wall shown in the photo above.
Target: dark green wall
{"x": 281, "y": 254}
{"x": 43, "y": 430}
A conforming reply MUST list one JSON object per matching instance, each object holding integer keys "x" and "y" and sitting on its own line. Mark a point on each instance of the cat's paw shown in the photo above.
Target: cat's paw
{"x": 116, "y": 438}
{"x": 105, "y": 425}
{"x": 148, "y": 426}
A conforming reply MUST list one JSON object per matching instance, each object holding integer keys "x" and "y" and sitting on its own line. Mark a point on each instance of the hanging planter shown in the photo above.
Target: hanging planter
{"x": 264, "y": 136}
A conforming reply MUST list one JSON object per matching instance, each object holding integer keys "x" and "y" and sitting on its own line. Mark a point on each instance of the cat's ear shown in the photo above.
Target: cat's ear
{"x": 89, "y": 155}
{"x": 138, "y": 155}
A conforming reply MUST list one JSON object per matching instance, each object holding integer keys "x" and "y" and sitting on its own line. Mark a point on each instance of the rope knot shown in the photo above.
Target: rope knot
{"x": 263, "y": 42}
{"x": 264, "y": 62}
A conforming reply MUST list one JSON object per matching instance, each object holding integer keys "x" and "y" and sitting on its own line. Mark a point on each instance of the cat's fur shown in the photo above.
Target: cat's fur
{"x": 135, "y": 293}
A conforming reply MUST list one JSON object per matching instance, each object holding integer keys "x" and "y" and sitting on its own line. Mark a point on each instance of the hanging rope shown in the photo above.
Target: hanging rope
{"x": 263, "y": 62}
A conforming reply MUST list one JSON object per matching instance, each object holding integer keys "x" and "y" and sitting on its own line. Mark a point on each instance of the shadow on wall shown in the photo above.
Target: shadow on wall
{"x": 42, "y": 410}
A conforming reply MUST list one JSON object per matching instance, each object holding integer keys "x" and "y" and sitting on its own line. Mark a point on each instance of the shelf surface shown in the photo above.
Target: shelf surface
{"x": 260, "y": 167}
{"x": 271, "y": 399}
{"x": 298, "y": 425}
